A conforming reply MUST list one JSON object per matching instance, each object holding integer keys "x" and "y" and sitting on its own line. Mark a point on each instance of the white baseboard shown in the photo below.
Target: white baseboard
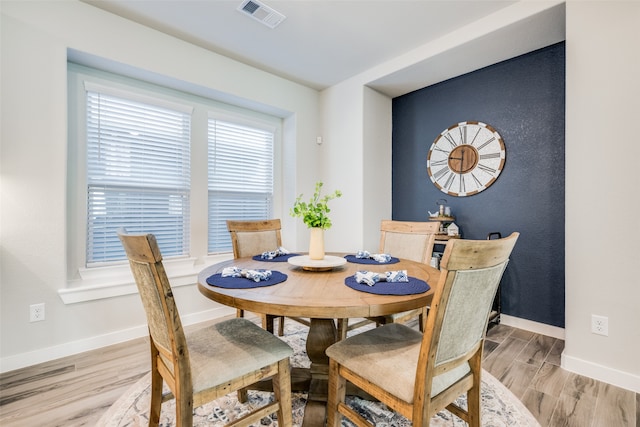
{"x": 601, "y": 373}
{"x": 22, "y": 360}
{"x": 531, "y": 326}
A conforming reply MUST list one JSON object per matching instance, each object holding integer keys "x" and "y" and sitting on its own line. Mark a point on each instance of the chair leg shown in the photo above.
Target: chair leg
{"x": 156, "y": 397}
{"x": 337, "y": 392}
{"x": 282, "y": 393}
{"x": 239, "y": 313}
{"x": 474, "y": 395}
{"x": 422, "y": 319}
{"x": 155, "y": 404}
{"x": 243, "y": 395}
{"x": 184, "y": 411}
{"x": 343, "y": 326}
{"x": 473, "y": 405}
{"x": 281, "y": 326}
{"x": 267, "y": 322}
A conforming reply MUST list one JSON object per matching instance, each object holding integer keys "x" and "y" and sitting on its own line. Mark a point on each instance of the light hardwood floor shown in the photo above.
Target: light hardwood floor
{"x": 77, "y": 390}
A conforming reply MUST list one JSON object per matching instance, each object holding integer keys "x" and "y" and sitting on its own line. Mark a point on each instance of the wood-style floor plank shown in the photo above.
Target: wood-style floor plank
{"x": 75, "y": 391}
{"x": 498, "y": 362}
{"x": 574, "y": 411}
{"x": 615, "y": 407}
{"x": 540, "y": 405}
{"x": 555, "y": 354}
{"x": 518, "y": 377}
{"x": 537, "y": 350}
{"x": 577, "y": 385}
{"x": 550, "y": 379}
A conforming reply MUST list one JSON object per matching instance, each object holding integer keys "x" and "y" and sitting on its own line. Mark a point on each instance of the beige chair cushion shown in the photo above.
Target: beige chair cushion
{"x": 387, "y": 356}
{"x": 406, "y": 245}
{"x": 228, "y": 350}
{"x": 467, "y": 311}
{"x": 256, "y": 242}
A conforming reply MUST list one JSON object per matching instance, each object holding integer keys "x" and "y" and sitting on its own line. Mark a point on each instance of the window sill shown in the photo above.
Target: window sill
{"x": 114, "y": 281}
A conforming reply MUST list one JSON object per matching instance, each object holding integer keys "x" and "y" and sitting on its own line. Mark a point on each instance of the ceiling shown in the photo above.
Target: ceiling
{"x": 319, "y": 43}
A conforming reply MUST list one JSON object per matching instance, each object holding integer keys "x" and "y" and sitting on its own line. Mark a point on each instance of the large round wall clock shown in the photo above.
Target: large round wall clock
{"x": 466, "y": 158}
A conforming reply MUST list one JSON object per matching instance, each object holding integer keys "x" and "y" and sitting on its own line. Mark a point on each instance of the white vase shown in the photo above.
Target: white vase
{"x": 316, "y": 243}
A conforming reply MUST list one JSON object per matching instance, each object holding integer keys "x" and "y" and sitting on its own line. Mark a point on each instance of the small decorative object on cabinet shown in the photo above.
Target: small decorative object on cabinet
{"x": 453, "y": 230}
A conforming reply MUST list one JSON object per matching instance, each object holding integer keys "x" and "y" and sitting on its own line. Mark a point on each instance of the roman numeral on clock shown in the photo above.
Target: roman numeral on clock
{"x": 486, "y": 169}
{"x": 440, "y": 173}
{"x": 486, "y": 143}
{"x": 438, "y": 162}
{"x": 450, "y": 139}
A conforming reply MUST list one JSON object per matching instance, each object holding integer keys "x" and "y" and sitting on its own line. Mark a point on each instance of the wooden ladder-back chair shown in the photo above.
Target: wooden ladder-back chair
{"x": 402, "y": 239}
{"x": 250, "y": 238}
{"x": 418, "y": 374}
{"x": 210, "y": 362}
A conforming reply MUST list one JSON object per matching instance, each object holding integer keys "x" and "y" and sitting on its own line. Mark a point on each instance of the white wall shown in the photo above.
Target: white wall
{"x": 35, "y": 38}
{"x": 377, "y": 124}
{"x": 602, "y": 190}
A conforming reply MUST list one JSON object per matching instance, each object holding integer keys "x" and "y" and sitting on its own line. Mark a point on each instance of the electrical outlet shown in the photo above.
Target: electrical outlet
{"x": 36, "y": 312}
{"x": 600, "y": 325}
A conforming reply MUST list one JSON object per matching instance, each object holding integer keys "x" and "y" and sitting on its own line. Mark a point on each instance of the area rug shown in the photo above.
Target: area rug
{"x": 500, "y": 408}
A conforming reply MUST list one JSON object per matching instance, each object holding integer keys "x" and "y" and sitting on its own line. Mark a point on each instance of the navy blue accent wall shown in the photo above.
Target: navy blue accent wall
{"x": 524, "y": 100}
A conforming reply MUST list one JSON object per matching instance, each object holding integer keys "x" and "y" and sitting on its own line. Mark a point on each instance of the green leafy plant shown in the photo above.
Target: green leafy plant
{"x": 314, "y": 213}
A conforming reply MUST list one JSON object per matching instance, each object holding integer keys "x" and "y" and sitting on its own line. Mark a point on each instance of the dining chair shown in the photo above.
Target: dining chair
{"x": 210, "y": 362}
{"x": 249, "y": 238}
{"x": 419, "y": 374}
{"x": 402, "y": 239}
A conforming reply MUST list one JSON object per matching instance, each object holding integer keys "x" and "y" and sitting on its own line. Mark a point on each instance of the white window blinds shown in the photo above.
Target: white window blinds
{"x": 240, "y": 179}
{"x": 138, "y": 175}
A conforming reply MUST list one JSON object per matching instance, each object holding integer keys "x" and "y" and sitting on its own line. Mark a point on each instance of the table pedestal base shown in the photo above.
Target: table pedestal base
{"x": 315, "y": 380}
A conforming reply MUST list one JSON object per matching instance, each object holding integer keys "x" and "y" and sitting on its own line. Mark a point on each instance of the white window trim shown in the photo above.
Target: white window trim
{"x": 94, "y": 283}
{"x": 113, "y": 281}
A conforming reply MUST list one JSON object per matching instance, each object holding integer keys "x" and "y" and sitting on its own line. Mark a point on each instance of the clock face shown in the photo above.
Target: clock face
{"x": 466, "y": 158}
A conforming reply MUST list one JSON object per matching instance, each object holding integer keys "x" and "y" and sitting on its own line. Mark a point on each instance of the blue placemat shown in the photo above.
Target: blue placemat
{"x": 355, "y": 260}
{"x": 413, "y": 286}
{"x": 243, "y": 283}
{"x": 280, "y": 258}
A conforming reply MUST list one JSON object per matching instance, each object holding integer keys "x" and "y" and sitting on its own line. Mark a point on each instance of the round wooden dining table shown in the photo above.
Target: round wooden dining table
{"x": 322, "y": 297}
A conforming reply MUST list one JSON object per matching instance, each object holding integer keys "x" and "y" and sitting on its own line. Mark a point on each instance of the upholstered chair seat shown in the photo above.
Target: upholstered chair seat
{"x": 237, "y": 346}
{"x": 380, "y": 355}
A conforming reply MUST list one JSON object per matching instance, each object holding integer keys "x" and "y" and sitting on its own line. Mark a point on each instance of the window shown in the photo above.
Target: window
{"x": 138, "y": 175}
{"x": 154, "y": 159}
{"x": 240, "y": 179}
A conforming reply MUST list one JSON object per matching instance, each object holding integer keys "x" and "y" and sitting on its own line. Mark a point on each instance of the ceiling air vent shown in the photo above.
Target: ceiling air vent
{"x": 261, "y": 12}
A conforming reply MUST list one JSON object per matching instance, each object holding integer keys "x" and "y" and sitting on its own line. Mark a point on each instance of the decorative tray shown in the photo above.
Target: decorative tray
{"x": 328, "y": 263}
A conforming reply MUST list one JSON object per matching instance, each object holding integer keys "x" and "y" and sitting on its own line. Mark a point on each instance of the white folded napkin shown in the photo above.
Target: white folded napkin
{"x": 371, "y": 277}
{"x": 367, "y": 277}
{"x": 254, "y": 275}
{"x": 396, "y": 276}
{"x": 375, "y": 257}
{"x": 272, "y": 254}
